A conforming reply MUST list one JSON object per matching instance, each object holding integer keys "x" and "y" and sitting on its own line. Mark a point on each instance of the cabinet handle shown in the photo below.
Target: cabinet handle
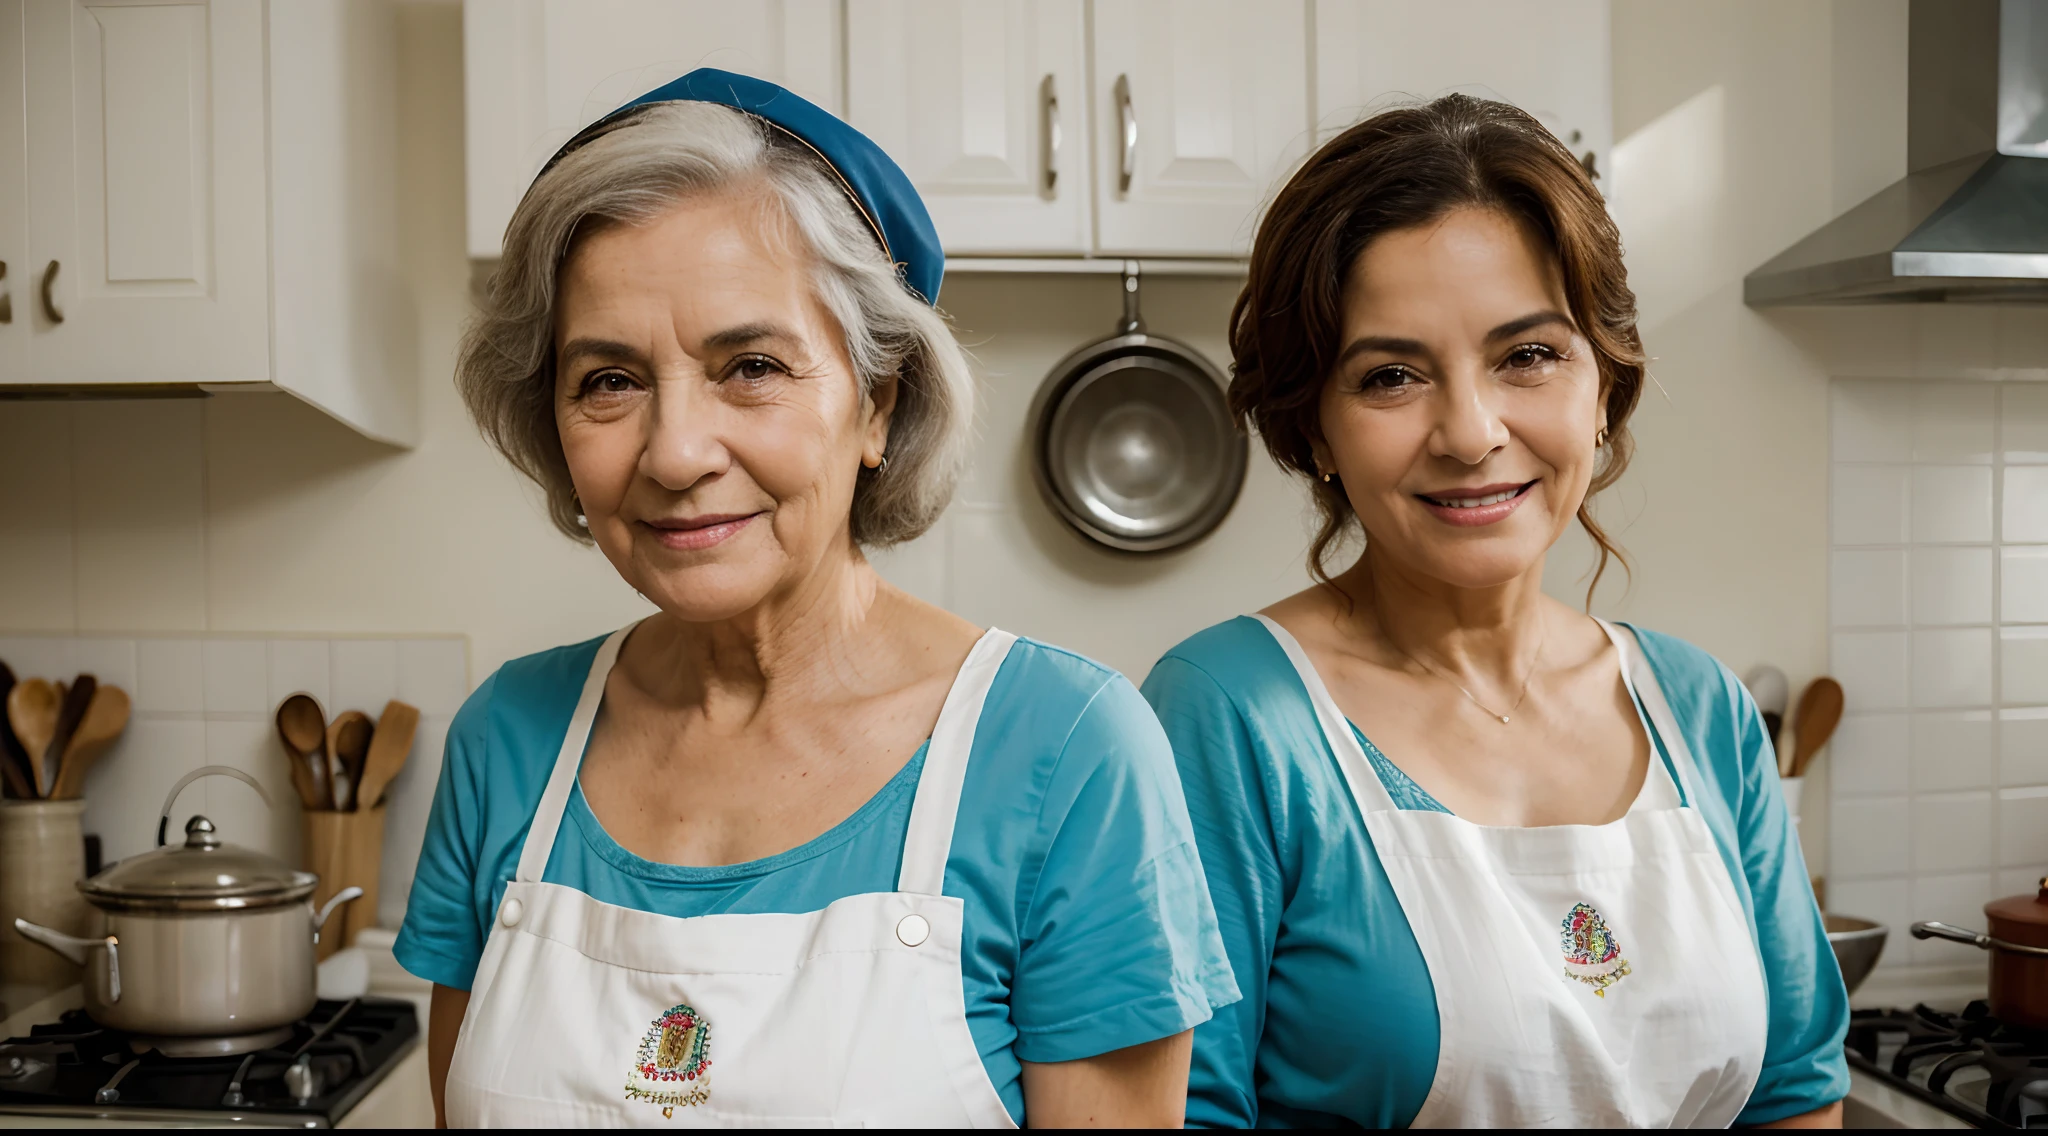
{"x": 6, "y": 296}
{"x": 1049, "y": 133}
{"x": 49, "y": 297}
{"x": 1127, "y": 130}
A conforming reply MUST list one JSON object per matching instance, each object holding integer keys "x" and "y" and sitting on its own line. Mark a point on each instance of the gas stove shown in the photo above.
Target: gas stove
{"x": 1970, "y": 1066}
{"x": 333, "y": 1057}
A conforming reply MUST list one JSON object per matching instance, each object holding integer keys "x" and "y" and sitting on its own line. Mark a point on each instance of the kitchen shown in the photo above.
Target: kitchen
{"x": 1846, "y": 490}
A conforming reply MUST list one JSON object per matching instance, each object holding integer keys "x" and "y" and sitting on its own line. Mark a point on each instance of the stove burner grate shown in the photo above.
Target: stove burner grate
{"x": 1971, "y": 1065}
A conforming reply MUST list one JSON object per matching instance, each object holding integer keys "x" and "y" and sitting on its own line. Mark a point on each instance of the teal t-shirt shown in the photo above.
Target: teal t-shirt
{"x": 1339, "y": 1023}
{"x": 1087, "y": 928}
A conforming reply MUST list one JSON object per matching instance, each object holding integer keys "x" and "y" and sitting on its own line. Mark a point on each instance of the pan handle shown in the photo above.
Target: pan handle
{"x": 1937, "y": 930}
{"x": 336, "y": 900}
{"x": 75, "y": 949}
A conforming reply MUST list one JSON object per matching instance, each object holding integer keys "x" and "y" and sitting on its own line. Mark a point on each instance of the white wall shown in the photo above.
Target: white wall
{"x": 1740, "y": 127}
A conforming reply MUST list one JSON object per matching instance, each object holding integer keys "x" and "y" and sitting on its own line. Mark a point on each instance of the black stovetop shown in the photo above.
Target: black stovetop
{"x": 1971, "y": 1065}
{"x": 73, "y": 1067}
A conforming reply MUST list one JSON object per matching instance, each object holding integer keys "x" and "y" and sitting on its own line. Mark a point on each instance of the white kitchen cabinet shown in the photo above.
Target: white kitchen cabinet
{"x": 537, "y": 71}
{"x": 1549, "y": 57}
{"x": 1200, "y": 107}
{"x": 984, "y": 105}
{"x": 15, "y": 310}
{"x": 210, "y": 202}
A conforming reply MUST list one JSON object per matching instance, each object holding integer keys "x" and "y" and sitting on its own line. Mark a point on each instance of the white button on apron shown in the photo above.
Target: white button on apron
{"x": 587, "y": 1014}
{"x": 1585, "y": 975}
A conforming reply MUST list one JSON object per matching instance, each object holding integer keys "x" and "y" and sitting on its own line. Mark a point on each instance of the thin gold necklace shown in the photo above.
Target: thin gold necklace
{"x": 1534, "y": 663}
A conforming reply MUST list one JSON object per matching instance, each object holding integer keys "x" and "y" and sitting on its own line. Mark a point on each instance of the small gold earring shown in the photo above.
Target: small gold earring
{"x": 1600, "y": 437}
{"x": 1326, "y": 479}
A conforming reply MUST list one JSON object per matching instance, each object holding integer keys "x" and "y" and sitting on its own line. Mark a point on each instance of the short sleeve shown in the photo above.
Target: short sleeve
{"x": 1119, "y": 941}
{"x": 1225, "y": 797}
{"x": 442, "y": 938}
{"x": 1804, "y": 1065}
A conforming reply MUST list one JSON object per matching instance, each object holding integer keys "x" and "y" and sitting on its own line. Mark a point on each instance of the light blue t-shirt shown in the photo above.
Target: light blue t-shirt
{"x": 1339, "y": 1022}
{"x": 1087, "y": 927}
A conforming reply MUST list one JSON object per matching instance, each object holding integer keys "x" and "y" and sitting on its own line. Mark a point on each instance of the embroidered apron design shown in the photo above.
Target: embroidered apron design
{"x": 673, "y": 1066}
{"x": 853, "y": 1015}
{"x": 1591, "y": 953}
{"x": 1680, "y": 1044}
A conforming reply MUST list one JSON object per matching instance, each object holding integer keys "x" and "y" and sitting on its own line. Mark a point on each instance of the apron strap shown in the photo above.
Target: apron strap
{"x": 929, "y": 841}
{"x": 547, "y": 818}
{"x": 1364, "y": 781}
{"x": 1642, "y": 682}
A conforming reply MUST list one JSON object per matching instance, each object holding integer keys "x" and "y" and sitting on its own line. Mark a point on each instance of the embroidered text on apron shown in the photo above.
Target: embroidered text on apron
{"x": 586, "y": 1014}
{"x": 1586, "y": 975}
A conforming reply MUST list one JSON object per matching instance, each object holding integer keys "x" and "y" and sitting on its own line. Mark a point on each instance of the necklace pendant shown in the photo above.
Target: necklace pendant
{"x": 1503, "y": 719}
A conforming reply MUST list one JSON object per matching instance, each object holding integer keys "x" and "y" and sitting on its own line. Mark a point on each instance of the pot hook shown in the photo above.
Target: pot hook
{"x": 163, "y": 823}
{"x": 1937, "y": 930}
{"x": 336, "y": 900}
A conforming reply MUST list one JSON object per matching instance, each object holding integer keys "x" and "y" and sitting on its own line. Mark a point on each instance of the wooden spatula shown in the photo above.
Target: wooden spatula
{"x": 32, "y": 708}
{"x": 348, "y": 740}
{"x": 14, "y": 767}
{"x": 302, "y": 727}
{"x": 97, "y": 732}
{"x": 70, "y": 713}
{"x": 389, "y": 747}
{"x": 1820, "y": 710}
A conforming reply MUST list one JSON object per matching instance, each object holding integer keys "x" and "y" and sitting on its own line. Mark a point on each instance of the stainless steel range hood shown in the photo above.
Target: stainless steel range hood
{"x": 1970, "y": 220}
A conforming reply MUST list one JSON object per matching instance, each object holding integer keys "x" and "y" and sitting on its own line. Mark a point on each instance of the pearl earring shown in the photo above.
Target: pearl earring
{"x": 582, "y": 522}
{"x": 1326, "y": 479}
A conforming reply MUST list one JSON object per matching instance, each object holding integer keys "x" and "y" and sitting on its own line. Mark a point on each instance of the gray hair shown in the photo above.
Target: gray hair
{"x": 630, "y": 173}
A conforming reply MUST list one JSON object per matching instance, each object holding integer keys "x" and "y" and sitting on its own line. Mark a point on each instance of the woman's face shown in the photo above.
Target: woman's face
{"x": 711, "y": 418}
{"x": 1462, "y": 412}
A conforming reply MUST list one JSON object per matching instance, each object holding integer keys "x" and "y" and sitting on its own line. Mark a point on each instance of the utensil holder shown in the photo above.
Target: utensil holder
{"x": 344, "y": 850}
{"x": 42, "y": 857}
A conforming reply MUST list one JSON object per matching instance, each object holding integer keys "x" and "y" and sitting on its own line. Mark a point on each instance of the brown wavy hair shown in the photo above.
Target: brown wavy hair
{"x": 1397, "y": 170}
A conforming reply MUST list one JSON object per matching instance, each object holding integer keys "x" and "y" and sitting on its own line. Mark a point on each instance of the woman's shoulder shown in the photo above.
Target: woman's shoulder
{"x": 527, "y": 698}
{"x": 1238, "y": 662}
{"x": 1698, "y": 686}
{"x": 1044, "y": 693}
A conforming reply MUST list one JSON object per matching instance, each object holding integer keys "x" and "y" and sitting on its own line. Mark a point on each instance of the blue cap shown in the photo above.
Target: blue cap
{"x": 877, "y": 186}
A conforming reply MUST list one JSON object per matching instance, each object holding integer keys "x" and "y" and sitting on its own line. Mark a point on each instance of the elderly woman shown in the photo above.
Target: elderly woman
{"x": 1481, "y": 859}
{"x": 798, "y": 848}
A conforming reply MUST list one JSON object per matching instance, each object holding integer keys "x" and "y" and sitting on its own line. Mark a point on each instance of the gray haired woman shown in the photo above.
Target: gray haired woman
{"x": 798, "y": 848}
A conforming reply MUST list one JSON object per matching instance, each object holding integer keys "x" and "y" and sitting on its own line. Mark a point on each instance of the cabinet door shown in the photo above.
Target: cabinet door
{"x": 147, "y": 192}
{"x": 1200, "y": 105}
{"x": 1549, "y": 57}
{"x": 537, "y": 71}
{"x": 982, "y": 102}
{"x": 14, "y": 299}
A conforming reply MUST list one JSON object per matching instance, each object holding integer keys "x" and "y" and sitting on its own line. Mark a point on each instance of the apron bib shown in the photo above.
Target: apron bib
{"x": 587, "y": 1014}
{"x": 1586, "y": 975}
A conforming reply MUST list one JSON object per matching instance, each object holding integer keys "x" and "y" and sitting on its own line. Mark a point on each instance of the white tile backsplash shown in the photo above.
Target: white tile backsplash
{"x": 2026, "y": 504}
{"x": 1952, "y": 750}
{"x": 1951, "y": 504}
{"x": 1951, "y": 585}
{"x": 1868, "y": 504}
{"x": 1870, "y": 754}
{"x": 1938, "y": 581}
{"x": 1867, "y": 588}
{"x": 1952, "y": 667}
{"x": 202, "y": 700}
{"x": 2023, "y": 657}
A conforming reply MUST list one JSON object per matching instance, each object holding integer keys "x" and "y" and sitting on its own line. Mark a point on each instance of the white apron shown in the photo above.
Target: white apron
{"x": 586, "y": 1014}
{"x": 1586, "y": 975}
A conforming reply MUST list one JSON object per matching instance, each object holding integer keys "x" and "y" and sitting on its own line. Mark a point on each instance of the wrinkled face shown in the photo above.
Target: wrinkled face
{"x": 1462, "y": 411}
{"x": 712, "y": 421}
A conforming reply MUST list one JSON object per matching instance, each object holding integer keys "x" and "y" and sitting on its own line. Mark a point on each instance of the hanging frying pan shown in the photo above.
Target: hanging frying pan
{"x": 1132, "y": 443}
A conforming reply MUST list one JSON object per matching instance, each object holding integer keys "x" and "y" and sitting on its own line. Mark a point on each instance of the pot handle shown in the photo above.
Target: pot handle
{"x": 75, "y": 948}
{"x": 1936, "y": 930}
{"x": 163, "y": 823}
{"x": 343, "y": 896}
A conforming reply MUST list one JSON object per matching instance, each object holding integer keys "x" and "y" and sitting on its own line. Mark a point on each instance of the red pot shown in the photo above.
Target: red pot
{"x": 2018, "y": 942}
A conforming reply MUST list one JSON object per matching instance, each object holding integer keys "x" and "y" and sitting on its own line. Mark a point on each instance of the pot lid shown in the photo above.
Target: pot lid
{"x": 2030, "y": 911}
{"x": 204, "y": 868}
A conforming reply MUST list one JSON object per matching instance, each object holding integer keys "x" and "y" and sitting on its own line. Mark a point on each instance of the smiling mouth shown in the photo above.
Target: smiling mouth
{"x": 695, "y": 533}
{"x": 1477, "y": 501}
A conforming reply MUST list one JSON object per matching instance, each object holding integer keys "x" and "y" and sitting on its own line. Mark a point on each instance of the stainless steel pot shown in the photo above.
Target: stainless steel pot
{"x": 1132, "y": 441}
{"x": 204, "y": 939}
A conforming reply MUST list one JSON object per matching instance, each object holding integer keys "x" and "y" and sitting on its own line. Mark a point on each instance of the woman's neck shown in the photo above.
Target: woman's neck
{"x": 1489, "y": 633}
{"x": 807, "y": 642}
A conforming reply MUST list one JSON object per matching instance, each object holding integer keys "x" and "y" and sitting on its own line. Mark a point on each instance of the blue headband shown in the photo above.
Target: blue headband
{"x": 877, "y": 186}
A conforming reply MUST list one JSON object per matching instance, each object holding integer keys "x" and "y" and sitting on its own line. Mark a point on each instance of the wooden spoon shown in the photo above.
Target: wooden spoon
{"x": 97, "y": 732}
{"x": 32, "y": 708}
{"x": 14, "y": 767}
{"x": 348, "y": 743}
{"x": 77, "y": 697}
{"x": 1820, "y": 710}
{"x": 389, "y": 748}
{"x": 302, "y": 726}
